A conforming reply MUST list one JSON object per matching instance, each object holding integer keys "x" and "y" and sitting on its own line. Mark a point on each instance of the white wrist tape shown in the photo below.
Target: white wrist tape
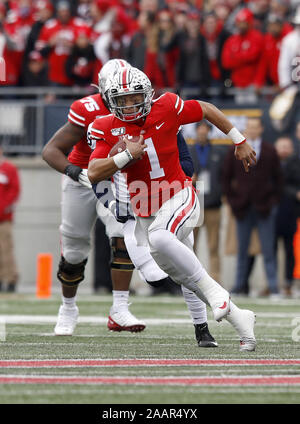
{"x": 123, "y": 158}
{"x": 236, "y": 136}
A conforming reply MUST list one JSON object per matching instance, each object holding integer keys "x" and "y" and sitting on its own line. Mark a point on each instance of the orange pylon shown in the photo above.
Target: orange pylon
{"x": 44, "y": 275}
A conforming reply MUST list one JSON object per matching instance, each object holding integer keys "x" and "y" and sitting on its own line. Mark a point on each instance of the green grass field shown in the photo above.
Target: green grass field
{"x": 29, "y": 324}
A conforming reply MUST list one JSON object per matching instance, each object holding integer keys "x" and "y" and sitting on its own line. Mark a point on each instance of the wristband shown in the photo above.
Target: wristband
{"x": 236, "y": 136}
{"x": 73, "y": 171}
{"x": 122, "y": 159}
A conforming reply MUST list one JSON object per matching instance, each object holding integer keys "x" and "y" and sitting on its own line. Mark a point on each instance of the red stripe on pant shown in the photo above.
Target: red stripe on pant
{"x": 183, "y": 214}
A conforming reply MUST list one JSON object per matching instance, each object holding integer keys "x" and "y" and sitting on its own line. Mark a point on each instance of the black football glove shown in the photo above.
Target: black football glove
{"x": 73, "y": 172}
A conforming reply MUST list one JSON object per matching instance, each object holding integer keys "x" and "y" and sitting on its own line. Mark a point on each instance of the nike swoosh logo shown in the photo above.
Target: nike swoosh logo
{"x": 159, "y": 126}
{"x": 224, "y": 306}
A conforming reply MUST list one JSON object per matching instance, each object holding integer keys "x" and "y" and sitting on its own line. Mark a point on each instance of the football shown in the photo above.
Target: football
{"x": 120, "y": 146}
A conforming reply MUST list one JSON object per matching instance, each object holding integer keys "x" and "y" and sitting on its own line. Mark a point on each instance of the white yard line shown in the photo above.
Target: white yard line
{"x": 92, "y": 319}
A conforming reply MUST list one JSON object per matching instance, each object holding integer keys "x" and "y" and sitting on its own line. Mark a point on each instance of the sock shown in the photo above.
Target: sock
{"x": 196, "y": 307}
{"x": 69, "y": 302}
{"x": 120, "y": 299}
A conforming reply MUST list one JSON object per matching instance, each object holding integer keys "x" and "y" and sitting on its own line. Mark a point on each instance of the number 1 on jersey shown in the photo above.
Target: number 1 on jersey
{"x": 156, "y": 170}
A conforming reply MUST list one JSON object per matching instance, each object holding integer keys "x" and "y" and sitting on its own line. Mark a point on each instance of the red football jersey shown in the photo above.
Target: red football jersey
{"x": 82, "y": 113}
{"x": 150, "y": 178}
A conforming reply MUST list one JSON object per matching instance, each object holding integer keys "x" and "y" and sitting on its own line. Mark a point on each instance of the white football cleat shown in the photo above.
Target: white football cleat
{"x": 247, "y": 338}
{"x": 243, "y": 321}
{"x": 67, "y": 320}
{"x": 124, "y": 321}
{"x": 221, "y": 308}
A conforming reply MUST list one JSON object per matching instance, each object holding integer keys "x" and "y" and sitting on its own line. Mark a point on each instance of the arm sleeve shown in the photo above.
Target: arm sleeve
{"x": 184, "y": 156}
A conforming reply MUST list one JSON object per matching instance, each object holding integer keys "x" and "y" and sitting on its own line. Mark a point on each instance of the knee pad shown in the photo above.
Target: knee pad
{"x": 119, "y": 253}
{"x": 70, "y": 274}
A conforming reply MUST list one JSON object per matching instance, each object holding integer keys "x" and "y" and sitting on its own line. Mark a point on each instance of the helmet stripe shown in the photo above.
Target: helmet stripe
{"x": 125, "y": 79}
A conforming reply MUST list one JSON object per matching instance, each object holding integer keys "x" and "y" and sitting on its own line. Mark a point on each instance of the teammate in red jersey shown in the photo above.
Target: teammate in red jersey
{"x": 165, "y": 216}
{"x": 79, "y": 215}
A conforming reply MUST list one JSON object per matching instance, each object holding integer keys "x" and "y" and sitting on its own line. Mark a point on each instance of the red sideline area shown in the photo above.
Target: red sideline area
{"x": 183, "y": 381}
{"x": 142, "y": 362}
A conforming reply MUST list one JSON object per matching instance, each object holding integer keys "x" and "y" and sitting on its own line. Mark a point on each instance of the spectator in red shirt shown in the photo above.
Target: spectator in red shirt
{"x": 56, "y": 41}
{"x": 9, "y": 193}
{"x": 242, "y": 51}
{"x": 267, "y": 70}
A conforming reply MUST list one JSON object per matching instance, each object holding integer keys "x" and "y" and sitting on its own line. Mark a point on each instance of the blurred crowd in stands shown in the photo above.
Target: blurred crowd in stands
{"x": 191, "y": 44}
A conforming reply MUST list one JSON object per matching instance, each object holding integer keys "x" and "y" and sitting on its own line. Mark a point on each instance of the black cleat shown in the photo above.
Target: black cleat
{"x": 203, "y": 336}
